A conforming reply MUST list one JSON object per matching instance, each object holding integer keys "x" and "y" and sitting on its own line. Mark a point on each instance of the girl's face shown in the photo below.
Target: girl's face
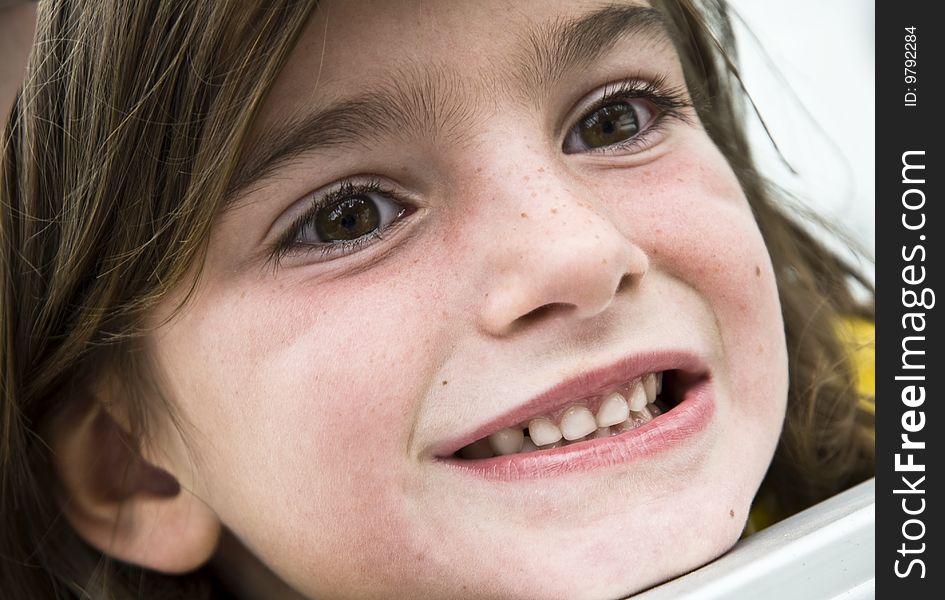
{"x": 522, "y": 216}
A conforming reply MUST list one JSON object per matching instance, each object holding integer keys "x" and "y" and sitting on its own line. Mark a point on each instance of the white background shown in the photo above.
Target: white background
{"x": 811, "y": 73}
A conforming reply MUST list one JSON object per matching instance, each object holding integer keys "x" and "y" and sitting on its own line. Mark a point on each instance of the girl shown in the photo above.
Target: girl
{"x": 423, "y": 300}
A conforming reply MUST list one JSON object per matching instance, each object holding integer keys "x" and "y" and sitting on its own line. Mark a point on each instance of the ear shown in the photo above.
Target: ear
{"x": 123, "y": 502}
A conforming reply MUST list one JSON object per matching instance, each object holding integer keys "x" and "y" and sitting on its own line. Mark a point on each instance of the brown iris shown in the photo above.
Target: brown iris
{"x": 347, "y": 219}
{"x": 609, "y": 125}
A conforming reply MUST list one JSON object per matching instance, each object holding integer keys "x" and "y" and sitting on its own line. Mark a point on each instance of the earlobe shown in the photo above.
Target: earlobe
{"x": 123, "y": 504}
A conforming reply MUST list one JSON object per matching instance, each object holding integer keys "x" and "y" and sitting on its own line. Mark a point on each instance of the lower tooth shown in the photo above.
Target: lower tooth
{"x": 557, "y": 444}
{"x": 654, "y": 410}
{"x": 601, "y": 433}
{"x": 528, "y": 445}
{"x": 623, "y": 427}
{"x": 641, "y": 416}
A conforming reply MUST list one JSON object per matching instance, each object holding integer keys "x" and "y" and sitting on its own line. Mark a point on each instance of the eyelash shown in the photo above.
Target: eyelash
{"x": 671, "y": 102}
{"x": 288, "y": 243}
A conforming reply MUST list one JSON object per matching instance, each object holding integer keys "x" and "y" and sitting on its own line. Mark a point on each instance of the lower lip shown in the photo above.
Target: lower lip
{"x": 665, "y": 432}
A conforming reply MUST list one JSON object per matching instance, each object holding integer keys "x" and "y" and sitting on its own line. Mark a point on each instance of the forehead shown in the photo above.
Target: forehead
{"x": 351, "y": 45}
{"x": 366, "y": 70}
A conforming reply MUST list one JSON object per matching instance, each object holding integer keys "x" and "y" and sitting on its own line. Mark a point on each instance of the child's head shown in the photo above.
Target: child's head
{"x": 283, "y": 271}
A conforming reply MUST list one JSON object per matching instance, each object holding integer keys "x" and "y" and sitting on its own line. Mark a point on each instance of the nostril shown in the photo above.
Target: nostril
{"x": 543, "y": 311}
{"x": 625, "y": 282}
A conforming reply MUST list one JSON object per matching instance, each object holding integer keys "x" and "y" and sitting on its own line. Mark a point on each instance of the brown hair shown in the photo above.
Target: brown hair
{"x": 118, "y": 153}
{"x": 116, "y": 156}
{"x": 825, "y": 446}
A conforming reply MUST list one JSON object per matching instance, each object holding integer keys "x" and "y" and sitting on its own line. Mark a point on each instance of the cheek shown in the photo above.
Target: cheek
{"x": 303, "y": 391}
{"x": 695, "y": 224}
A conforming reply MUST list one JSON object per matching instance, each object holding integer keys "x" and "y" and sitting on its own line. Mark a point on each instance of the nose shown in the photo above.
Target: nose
{"x": 562, "y": 257}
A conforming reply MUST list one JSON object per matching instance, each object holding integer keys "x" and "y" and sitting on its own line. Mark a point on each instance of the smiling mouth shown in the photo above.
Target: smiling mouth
{"x": 613, "y": 412}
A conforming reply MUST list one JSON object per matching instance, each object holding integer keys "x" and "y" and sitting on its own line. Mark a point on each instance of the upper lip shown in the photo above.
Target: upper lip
{"x": 577, "y": 387}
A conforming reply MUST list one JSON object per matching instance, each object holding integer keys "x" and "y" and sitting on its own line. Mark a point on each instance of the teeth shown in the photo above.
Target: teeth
{"x": 649, "y": 384}
{"x": 637, "y": 398}
{"x": 543, "y": 431}
{"x": 623, "y": 427}
{"x": 612, "y": 410}
{"x": 507, "y": 441}
{"x": 641, "y": 416}
{"x": 577, "y": 422}
{"x": 617, "y": 413}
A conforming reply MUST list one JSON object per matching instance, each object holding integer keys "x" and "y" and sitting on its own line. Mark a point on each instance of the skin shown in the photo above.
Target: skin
{"x": 316, "y": 390}
{"x": 17, "y": 23}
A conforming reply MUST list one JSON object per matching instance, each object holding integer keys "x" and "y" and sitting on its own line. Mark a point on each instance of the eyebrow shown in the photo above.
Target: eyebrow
{"x": 429, "y": 101}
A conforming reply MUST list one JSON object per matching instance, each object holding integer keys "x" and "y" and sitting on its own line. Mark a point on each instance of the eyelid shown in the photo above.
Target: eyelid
{"x": 303, "y": 210}
{"x": 671, "y": 102}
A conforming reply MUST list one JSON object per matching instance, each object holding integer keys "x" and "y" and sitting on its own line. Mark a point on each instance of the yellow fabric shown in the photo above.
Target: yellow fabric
{"x": 860, "y": 336}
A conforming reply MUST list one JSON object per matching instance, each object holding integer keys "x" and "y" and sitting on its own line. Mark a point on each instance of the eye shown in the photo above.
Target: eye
{"x": 349, "y": 219}
{"x": 611, "y": 125}
{"x": 625, "y": 116}
{"x": 343, "y": 220}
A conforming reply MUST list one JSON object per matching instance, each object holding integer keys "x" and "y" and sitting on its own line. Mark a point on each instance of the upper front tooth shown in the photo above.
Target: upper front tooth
{"x": 543, "y": 431}
{"x": 612, "y": 410}
{"x": 577, "y": 422}
{"x": 649, "y": 384}
{"x": 637, "y": 398}
{"x": 507, "y": 441}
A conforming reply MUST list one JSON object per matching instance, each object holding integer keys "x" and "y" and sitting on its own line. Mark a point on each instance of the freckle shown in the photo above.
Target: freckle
{"x": 487, "y": 294}
{"x": 541, "y": 169}
{"x": 445, "y": 382}
{"x": 757, "y": 271}
{"x": 478, "y": 169}
{"x": 554, "y": 211}
{"x": 604, "y": 261}
{"x": 526, "y": 178}
{"x": 524, "y": 215}
{"x": 731, "y": 513}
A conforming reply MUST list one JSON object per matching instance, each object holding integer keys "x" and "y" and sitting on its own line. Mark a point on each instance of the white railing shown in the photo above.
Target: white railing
{"x": 826, "y": 552}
